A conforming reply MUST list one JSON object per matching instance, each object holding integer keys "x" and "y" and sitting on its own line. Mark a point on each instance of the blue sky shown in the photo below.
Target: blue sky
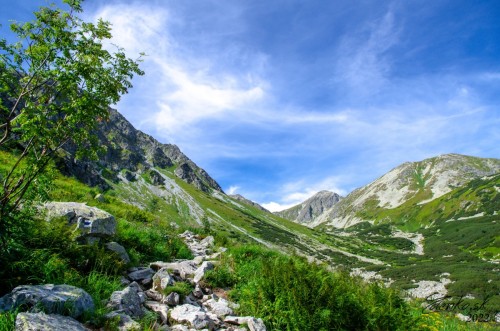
{"x": 280, "y": 99}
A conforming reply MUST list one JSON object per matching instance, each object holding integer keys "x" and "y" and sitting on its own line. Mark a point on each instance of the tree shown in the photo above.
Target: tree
{"x": 56, "y": 84}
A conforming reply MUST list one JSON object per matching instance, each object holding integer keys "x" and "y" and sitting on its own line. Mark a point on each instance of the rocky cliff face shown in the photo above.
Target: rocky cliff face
{"x": 130, "y": 152}
{"x": 414, "y": 183}
{"x": 310, "y": 209}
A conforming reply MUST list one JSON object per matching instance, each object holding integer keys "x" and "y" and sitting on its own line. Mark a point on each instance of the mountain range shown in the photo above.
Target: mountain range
{"x": 412, "y": 228}
{"x": 408, "y": 186}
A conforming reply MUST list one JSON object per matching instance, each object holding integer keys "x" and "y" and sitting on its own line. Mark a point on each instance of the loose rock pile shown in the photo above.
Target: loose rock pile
{"x": 200, "y": 310}
{"x": 145, "y": 290}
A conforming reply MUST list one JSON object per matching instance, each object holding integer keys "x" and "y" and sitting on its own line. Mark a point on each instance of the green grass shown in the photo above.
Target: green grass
{"x": 181, "y": 288}
{"x": 291, "y": 294}
{"x": 8, "y": 321}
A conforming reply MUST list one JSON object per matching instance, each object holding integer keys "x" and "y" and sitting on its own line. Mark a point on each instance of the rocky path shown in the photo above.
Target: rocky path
{"x": 151, "y": 288}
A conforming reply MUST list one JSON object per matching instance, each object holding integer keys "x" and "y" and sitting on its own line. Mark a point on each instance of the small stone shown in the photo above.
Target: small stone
{"x": 236, "y": 320}
{"x": 127, "y": 301}
{"x": 197, "y": 292}
{"x": 99, "y": 197}
{"x": 124, "y": 281}
{"x": 179, "y": 327}
{"x": 256, "y": 324}
{"x": 162, "y": 279}
{"x": 147, "y": 282}
{"x": 193, "y": 315}
{"x": 119, "y": 250}
{"x": 183, "y": 269}
{"x": 156, "y": 296}
{"x": 160, "y": 308}
{"x": 172, "y": 299}
{"x": 219, "y": 308}
{"x": 208, "y": 241}
{"x": 141, "y": 274}
{"x": 198, "y": 259}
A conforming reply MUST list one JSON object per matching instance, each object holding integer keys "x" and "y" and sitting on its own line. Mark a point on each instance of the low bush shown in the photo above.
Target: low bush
{"x": 149, "y": 242}
{"x": 291, "y": 294}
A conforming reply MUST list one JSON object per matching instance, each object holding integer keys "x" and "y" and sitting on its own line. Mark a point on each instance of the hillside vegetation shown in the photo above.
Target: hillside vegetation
{"x": 287, "y": 291}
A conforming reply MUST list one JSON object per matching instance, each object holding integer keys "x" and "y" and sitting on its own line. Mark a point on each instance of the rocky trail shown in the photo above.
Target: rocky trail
{"x": 147, "y": 289}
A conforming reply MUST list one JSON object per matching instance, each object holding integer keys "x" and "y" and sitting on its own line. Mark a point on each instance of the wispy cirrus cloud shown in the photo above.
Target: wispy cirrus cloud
{"x": 181, "y": 87}
{"x": 362, "y": 62}
{"x": 241, "y": 94}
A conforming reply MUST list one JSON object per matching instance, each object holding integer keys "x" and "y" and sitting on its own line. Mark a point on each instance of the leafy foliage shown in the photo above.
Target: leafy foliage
{"x": 291, "y": 294}
{"x": 56, "y": 83}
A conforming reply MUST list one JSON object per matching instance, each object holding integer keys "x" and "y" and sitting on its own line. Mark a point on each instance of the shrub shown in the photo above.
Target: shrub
{"x": 291, "y": 294}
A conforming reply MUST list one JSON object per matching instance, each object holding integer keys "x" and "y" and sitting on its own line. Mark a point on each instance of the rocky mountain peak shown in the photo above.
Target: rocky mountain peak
{"x": 128, "y": 150}
{"x": 307, "y": 211}
{"x": 417, "y": 182}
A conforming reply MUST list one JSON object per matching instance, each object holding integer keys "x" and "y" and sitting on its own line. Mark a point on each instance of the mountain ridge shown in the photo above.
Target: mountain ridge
{"x": 311, "y": 208}
{"x": 132, "y": 152}
{"x": 420, "y": 182}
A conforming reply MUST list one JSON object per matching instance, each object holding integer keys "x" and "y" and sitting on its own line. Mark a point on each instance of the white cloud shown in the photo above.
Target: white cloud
{"x": 192, "y": 101}
{"x": 362, "y": 63}
{"x": 218, "y": 102}
{"x": 184, "y": 87}
{"x": 274, "y": 206}
{"x": 294, "y": 193}
{"x": 232, "y": 189}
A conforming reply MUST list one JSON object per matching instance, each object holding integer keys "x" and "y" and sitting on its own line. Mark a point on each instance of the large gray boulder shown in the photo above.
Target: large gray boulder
{"x": 41, "y": 321}
{"x": 90, "y": 223}
{"x": 58, "y": 299}
{"x": 127, "y": 301}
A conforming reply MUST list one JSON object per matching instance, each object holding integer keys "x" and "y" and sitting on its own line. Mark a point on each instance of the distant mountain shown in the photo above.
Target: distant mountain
{"x": 312, "y": 208}
{"x": 241, "y": 198}
{"x": 407, "y": 187}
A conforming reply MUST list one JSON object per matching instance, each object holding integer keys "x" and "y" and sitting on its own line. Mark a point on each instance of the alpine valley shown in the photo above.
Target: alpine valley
{"x": 428, "y": 228}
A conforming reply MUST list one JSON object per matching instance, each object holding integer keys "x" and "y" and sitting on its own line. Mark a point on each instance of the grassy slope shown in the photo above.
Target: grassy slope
{"x": 462, "y": 237}
{"x": 140, "y": 230}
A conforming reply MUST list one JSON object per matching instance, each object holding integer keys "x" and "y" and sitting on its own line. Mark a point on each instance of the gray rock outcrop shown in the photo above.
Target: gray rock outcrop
{"x": 199, "y": 310}
{"x": 58, "y": 299}
{"x": 42, "y": 321}
{"x": 90, "y": 223}
{"x": 310, "y": 209}
{"x": 133, "y": 151}
{"x": 127, "y": 301}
